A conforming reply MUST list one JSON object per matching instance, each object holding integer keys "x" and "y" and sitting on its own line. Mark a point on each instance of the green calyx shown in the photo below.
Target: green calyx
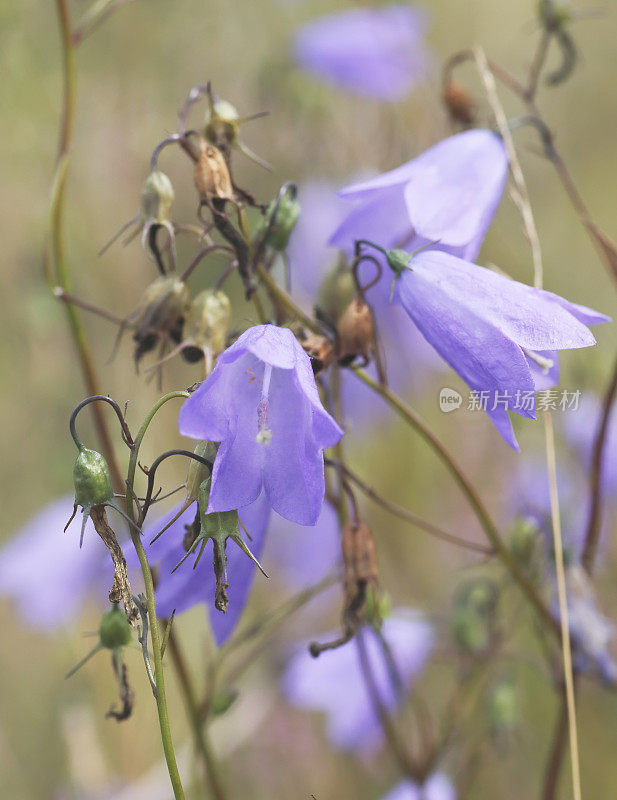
{"x": 92, "y": 479}
{"x": 398, "y": 260}
{"x": 218, "y": 526}
{"x": 114, "y": 630}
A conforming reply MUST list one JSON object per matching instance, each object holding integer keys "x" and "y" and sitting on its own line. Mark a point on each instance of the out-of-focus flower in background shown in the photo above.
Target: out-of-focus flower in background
{"x": 448, "y": 195}
{"x": 44, "y": 572}
{"x": 261, "y": 403}
{"x": 580, "y": 429}
{"x": 436, "y": 787}
{"x": 335, "y": 684}
{"x": 378, "y": 52}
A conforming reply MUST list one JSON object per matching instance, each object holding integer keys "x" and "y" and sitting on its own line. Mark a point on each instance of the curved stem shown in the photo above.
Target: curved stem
{"x": 155, "y": 634}
{"x": 55, "y": 248}
{"x": 72, "y": 422}
{"x": 489, "y": 527}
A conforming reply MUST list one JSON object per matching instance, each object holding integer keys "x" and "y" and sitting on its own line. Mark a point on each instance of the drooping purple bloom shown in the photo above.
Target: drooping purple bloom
{"x": 482, "y": 324}
{"x": 44, "y": 572}
{"x": 436, "y": 787}
{"x": 371, "y": 51}
{"x": 187, "y": 587}
{"x": 261, "y": 403}
{"x": 448, "y": 195}
{"x": 334, "y": 683}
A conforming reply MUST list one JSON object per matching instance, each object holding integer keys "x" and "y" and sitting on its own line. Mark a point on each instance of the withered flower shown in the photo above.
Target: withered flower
{"x": 355, "y": 332}
{"x": 461, "y": 106}
{"x": 320, "y": 350}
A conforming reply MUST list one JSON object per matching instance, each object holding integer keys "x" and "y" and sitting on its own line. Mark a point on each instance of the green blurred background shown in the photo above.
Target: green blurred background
{"x": 133, "y": 74}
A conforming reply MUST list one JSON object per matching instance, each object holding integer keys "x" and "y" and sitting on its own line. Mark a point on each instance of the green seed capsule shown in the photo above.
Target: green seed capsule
{"x": 114, "y": 630}
{"x": 157, "y": 196}
{"x": 92, "y": 479}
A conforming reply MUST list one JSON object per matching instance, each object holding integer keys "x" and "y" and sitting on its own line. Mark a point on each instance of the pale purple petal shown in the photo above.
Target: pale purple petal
{"x": 44, "y": 572}
{"x": 289, "y": 464}
{"x": 528, "y": 316}
{"x": 456, "y": 187}
{"x": 376, "y": 52}
{"x": 334, "y": 684}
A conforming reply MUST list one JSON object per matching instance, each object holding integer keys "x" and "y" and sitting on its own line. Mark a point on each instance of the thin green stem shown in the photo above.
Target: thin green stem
{"x": 155, "y": 633}
{"x": 200, "y": 737}
{"x": 484, "y": 518}
{"x": 55, "y": 251}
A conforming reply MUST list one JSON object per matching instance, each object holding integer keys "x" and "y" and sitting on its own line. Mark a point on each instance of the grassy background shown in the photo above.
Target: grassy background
{"x": 132, "y": 76}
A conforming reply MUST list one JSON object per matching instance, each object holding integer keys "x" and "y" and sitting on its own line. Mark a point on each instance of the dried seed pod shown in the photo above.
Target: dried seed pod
{"x": 159, "y": 316}
{"x": 460, "y": 104}
{"x": 320, "y": 350}
{"x": 211, "y": 174}
{"x": 361, "y": 572}
{"x": 355, "y": 332}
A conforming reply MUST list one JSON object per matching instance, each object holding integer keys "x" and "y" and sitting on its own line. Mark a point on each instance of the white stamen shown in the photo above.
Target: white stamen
{"x": 265, "y": 433}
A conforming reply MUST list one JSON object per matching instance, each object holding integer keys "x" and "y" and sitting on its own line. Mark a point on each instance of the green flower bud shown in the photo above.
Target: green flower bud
{"x": 114, "y": 630}
{"x": 223, "y": 701}
{"x": 469, "y": 630}
{"x": 157, "y": 196}
{"x": 503, "y": 708}
{"x": 92, "y": 479}
{"x": 198, "y": 472}
{"x": 524, "y": 539}
{"x": 280, "y": 228}
{"x": 336, "y": 292}
{"x": 554, "y": 14}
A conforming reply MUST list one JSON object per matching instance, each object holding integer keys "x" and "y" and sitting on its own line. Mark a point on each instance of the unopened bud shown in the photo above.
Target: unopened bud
{"x": 470, "y": 631}
{"x": 92, "y": 479}
{"x": 223, "y": 701}
{"x": 157, "y": 196}
{"x": 503, "y": 708}
{"x": 355, "y": 332}
{"x": 211, "y": 174}
{"x": 460, "y": 104}
{"x": 524, "y": 539}
{"x": 320, "y": 350}
{"x": 278, "y": 228}
{"x": 198, "y": 472}
{"x": 554, "y": 14}
{"x": 336, "y": 292}
{"x": 114, "y": 630}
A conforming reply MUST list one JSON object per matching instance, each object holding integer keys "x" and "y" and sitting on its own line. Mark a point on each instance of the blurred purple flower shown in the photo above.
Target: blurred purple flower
{"x": 303, "y": 557}
{"x": 334, "y": 683}
{"x": 188, "y": 587}
{"x": 371, "y": 51}
{"x": 436, "y": 787}
{"x": 482, "y": 324}
{"x": 261, "y": 403}
{"x": 593, "y": 635}
{"x": 580, "y": 428}
{"x": 448, "y": 195}
{"x": 44, "y": 572}
{"x": 309, "y": 251}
